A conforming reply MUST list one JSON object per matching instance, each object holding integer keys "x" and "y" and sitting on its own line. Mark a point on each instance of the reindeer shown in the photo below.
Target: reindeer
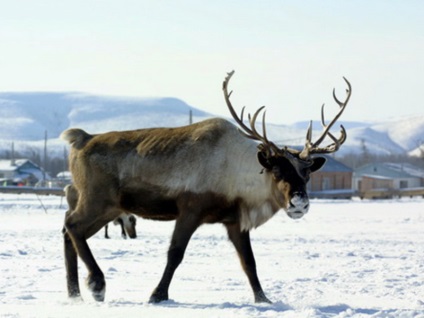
{"x": 126, "y": 221}
{"x": 207, "y": 172}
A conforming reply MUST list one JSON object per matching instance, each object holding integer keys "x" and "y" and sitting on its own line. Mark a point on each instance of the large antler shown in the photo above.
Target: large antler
{"x": 251, "y": 132}
{"x": 312, "y": 147}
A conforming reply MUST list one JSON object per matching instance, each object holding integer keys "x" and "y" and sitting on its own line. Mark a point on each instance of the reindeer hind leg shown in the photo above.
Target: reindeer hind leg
{"x": 71, "y": 265}
{"x": 80, "y": 226}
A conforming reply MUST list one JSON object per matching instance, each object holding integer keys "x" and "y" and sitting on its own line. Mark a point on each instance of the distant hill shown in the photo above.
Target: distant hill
{"x": 24, "y": 118}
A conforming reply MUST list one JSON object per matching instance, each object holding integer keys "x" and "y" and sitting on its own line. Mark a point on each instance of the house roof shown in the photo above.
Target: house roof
{"x": 64, "y": 175}
{"x": 6, "y": 164}
{"x": 22, "y": 168}
{"x": 390, "y": 170}
{"x": 333, "y": 165}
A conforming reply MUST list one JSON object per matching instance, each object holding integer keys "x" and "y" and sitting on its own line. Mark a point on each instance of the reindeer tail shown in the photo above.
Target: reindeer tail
{"x": 76, "y": 137}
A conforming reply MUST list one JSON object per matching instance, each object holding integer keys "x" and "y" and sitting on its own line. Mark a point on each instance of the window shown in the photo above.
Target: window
{"x": 326, "y": 183}
{"x": 403, "y": 184}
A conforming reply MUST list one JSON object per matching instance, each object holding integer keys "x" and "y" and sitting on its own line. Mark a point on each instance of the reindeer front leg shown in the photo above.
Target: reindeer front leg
{"x": 241, "y": 241}
{"x": 107, "y": 231}
{"x": 184, "y": 229}
{"x": 121, "y": 223}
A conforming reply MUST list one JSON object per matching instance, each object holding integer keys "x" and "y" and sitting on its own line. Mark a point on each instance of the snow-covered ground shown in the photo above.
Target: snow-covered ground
{"x": 344, "y": 259}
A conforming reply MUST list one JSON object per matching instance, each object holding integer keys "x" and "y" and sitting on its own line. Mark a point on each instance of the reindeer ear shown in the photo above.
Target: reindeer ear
{"x": 264, "y": 160}
{"x": 318, "y": 163}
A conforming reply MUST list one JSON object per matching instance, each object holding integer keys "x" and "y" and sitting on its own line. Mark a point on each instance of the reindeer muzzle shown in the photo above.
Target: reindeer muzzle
{"x": 298, "y": 206}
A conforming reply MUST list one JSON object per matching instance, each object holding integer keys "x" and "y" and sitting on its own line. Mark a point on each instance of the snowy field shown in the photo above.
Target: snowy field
{"x": 344, "y": 259}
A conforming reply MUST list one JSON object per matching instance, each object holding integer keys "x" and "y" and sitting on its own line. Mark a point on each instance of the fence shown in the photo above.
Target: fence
{"x": 35, "y": 190}
{"x": 331, "y": 194}
{"x": 382, "y": 193}
{"x": 391, "y": 193}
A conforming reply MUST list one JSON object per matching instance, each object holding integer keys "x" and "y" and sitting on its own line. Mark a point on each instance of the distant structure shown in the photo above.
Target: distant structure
{"x": 389, "y": 176}
{"x": 20, "y": 172}
{"x": 334, "y": 180}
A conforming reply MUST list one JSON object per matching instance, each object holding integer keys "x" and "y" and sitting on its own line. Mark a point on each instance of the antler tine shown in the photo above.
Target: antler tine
{"x": 263, "y": 126}
{"x": 251, "y": 132}
{"x": 273, "y": 146}
{"x": 322, "y": 114}
{"x": 247, "y": 132}
{"x": 252, "y": 120}
{"x": 304, "y": 154}
{"x": 348, "y": 93}
{"x": 309, "y": 133}
{"x": 326, "y": 132}
{"x": 343, "y": 135}
{"x": 264, "y": 137}
{"x": 336, "y": 142}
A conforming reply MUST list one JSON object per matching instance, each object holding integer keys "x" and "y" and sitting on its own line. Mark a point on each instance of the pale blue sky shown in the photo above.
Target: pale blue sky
{"x": 288, "y": 55}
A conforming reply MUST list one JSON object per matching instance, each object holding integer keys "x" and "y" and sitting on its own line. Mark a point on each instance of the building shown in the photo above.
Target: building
{"x": 388, "y": 179}
{"x": 387, "y": 175}
{"x": 20, "y": 172}
{"x": 334, "y": 180}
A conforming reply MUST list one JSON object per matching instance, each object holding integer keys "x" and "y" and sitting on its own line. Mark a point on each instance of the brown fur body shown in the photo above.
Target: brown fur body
{"x": 202, "y": 173}
{"x": 150, "y": 169}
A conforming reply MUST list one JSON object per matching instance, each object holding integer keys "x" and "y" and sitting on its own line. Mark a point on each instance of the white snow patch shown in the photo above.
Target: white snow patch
{"x": 344, "y": 259}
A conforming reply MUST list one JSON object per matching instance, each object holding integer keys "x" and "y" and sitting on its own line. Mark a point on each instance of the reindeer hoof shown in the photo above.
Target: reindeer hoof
{"x": 74, "y": 292}
{"x": 98, "y": 296}
{"x": 97, "y": 287}
{"x": 261, "y": 298}
{"x": 158, "y": 296}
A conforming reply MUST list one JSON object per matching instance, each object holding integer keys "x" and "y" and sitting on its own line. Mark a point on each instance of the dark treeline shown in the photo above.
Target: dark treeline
{"x": 364, "y": 156}
{"x": 357, "y": 160}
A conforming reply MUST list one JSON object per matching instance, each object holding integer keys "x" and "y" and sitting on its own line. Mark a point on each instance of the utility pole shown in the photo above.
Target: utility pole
{"x": 45, "y": 156}
{"x": 65, "y": 159}
{"x": 190, "y": 117}
{"x": 12, "y": 161}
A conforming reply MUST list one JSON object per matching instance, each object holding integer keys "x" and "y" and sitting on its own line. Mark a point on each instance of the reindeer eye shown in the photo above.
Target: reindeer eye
{"x": 283, "y": 173}
{"x": 276, "y": 172}
{"x": 307, "y": 177}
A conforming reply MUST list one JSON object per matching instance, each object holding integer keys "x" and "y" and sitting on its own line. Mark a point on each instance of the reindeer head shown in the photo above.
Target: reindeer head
{"x": 129, "y": 223}
{"x": 290, "y": 168}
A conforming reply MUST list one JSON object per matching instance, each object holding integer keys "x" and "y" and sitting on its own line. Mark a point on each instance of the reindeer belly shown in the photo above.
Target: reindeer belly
{"x": 153, "y": 204}
{"x": 148, "y": 205}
